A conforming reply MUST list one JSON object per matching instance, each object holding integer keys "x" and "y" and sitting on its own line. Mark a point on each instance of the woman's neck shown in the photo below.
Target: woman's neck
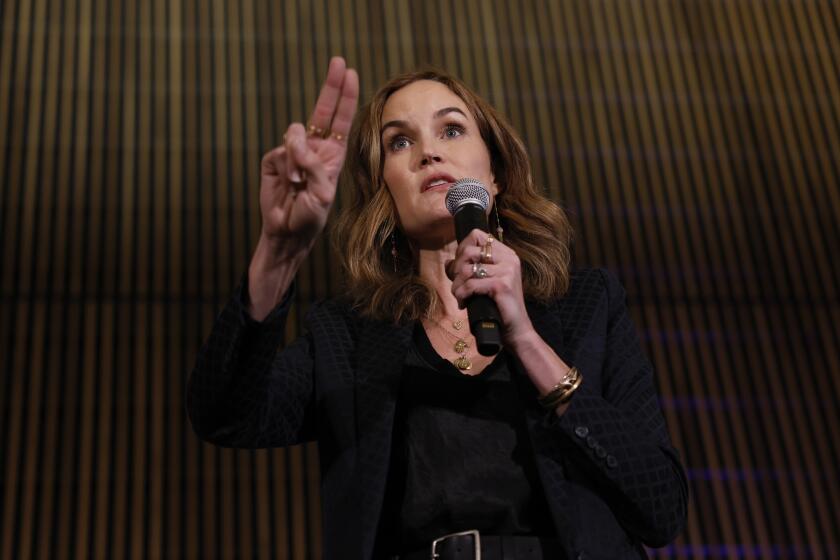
{"x": 432, "y": 266}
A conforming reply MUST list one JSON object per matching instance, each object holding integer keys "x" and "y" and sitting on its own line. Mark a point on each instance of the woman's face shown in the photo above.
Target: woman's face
{"x": 430, "y": 140}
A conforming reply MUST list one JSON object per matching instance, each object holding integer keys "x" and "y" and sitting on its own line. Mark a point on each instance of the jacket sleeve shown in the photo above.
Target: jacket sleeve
{"x": 246, "y": 390}
{"x": 617, "y": 438}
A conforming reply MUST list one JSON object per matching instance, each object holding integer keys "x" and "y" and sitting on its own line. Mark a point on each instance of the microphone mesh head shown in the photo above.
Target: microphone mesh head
{"x": 467, "y": 191}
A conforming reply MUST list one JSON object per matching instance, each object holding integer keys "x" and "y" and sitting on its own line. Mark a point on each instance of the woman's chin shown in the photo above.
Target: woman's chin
{"x": 433, "y": 233}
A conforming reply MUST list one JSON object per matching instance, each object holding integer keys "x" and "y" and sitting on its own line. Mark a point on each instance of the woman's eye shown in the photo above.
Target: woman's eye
{"x": 398, "y": 143}
{"x": 453, "y": 130}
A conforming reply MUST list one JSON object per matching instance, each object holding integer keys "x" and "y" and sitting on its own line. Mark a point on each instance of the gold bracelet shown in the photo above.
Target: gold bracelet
{"x": 562, "y": 392}
{"x": 567, "y": 396}
{"x": 560, "y": 397}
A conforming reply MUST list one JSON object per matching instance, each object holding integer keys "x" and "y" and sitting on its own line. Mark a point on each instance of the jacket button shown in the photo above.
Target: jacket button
{"x": 612, "y": 462}
{"x": 591, "y": 442}
{"x": 600, "y": 452}
{"x": 581, "y": 431}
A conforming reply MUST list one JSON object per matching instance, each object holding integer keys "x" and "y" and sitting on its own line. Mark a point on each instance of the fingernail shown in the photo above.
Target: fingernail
{"x": 295, "y": 176}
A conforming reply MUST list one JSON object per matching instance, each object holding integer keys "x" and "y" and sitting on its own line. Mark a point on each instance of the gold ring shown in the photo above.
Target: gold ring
{"x": 487, "y": 253}
{"x": 337, "y": 136}
{"x": 312, "y": 130}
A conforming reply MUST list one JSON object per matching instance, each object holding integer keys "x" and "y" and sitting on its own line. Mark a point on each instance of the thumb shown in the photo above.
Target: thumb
{"x": 447, "y": 266}
{"x": 319, "y": 182}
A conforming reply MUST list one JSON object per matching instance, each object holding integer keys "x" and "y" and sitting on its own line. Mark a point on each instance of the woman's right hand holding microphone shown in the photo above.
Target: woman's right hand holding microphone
{"x": 297, "y": 188}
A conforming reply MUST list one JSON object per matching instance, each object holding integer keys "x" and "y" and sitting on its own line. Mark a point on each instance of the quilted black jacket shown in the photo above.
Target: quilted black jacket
{"x": 612, "y": 479}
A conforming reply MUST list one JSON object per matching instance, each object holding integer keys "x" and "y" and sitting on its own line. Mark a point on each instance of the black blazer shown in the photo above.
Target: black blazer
{"x": 613, "y": 481}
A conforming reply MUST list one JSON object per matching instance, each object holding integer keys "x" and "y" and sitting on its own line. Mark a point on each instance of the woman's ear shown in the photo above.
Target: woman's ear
{"x": 494, "y": 186}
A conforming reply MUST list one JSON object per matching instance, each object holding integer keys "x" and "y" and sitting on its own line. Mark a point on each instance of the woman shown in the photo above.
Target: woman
{"x": 553, "y": 448}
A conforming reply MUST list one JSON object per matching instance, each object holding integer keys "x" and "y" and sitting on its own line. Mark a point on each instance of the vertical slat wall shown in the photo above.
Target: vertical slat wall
{"x": 695, "y": 144}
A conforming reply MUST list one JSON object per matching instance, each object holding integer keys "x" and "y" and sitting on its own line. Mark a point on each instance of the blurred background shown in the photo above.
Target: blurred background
{"x": 696, "y": 146}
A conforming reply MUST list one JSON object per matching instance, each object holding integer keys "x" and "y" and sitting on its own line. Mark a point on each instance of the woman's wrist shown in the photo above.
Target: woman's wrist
{"x": 542, "y": 364}
{"x": 270, "y": 273}
{"x": 524, "y": 340}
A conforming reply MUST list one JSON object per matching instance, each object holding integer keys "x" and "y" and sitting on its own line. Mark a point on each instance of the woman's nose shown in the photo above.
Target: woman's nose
{"x": 428, "y": 157}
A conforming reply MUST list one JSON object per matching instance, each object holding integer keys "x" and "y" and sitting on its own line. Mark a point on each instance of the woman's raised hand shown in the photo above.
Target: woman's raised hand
{"x": 297, "y": 188}
{"x": 299, "y": 178}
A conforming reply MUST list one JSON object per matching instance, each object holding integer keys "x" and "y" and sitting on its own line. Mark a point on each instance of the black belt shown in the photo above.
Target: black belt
{"x": 470, "y": 545}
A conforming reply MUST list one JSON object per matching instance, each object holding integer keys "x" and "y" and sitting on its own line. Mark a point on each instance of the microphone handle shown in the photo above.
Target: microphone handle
{"x": 481, "y": 309}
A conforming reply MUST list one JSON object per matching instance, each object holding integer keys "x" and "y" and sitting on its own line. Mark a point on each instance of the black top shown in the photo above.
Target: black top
{"x": 611, "y": 476}
{"x": 462, "y": 457}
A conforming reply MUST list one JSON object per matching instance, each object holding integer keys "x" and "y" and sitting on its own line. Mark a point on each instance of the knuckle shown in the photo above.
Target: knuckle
{"x": 322, "y": 110}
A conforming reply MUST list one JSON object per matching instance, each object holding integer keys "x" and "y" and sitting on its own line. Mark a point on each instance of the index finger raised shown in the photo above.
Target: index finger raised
{"x": 330, "y": 93}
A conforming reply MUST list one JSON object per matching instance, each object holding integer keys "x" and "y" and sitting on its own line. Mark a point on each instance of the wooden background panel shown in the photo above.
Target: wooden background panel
{"x": 696, "y": 146}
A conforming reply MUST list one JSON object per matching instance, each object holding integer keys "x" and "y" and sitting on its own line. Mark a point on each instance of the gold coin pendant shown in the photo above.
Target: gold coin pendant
{"x": 463, "y": 363}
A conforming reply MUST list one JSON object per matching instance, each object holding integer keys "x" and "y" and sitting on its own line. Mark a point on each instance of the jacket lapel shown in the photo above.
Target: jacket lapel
{"x": 381, "y": 353}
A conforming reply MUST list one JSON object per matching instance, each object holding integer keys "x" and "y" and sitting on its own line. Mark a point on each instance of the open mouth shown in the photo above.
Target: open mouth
{"x": 438, "y": 183}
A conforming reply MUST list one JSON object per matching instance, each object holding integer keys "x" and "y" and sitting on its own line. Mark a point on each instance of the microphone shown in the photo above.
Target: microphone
{"x": 467, "y": 200}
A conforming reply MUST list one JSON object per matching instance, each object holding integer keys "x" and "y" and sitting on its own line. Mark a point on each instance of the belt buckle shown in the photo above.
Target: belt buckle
{"x": 476, "y": 542}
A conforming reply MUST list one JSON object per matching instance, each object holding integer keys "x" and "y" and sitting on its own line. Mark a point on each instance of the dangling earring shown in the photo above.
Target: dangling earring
{"x": 499, "y": 230}
{"x": 394, "y": 248}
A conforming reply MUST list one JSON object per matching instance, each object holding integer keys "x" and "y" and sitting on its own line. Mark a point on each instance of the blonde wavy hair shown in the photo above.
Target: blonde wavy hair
{"x": 385, "y": 287}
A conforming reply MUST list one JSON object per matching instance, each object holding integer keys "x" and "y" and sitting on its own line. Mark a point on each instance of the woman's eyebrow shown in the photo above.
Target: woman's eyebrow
{"x": 438, "y": 114}
{"x": 446, "y": 110}
{"x": 394, "y": 123}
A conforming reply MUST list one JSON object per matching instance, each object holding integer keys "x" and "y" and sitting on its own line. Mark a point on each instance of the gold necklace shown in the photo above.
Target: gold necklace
{"x": 460, "y": 347}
